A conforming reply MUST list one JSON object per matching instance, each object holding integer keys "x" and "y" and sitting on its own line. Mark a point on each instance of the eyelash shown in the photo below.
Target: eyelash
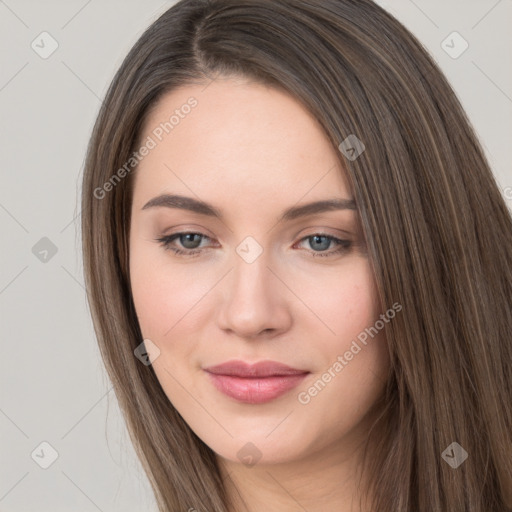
{"x": 344, "y": 245}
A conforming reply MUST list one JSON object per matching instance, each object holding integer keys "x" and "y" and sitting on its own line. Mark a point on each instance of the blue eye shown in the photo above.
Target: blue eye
{"x": 323, "y": 241}
{"x": 187, "y": 240}
{"x": 190, "y": 244}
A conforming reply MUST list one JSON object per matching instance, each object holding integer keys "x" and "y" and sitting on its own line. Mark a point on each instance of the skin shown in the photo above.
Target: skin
{"x": 253, "y": 151}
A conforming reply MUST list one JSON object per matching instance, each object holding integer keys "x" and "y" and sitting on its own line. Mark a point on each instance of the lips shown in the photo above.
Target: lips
{"x": 261, "y": 369}
{"x": 254, "y": 383}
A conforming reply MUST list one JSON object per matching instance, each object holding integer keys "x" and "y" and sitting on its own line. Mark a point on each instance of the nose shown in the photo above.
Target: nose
{"x": 253, "y": 300}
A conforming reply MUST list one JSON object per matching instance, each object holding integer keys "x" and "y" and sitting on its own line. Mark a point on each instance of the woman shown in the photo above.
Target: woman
{"x": 299, "y": 266}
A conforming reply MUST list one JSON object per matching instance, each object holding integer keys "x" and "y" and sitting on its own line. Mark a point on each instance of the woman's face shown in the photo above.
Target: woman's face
{"x": 268, "y": 277}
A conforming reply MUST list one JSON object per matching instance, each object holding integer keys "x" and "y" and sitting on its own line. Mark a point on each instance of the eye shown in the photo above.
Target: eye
{"x": 191, "y": 244}
{"x": 188, "y": 240}
{"x": 321, "y": 241}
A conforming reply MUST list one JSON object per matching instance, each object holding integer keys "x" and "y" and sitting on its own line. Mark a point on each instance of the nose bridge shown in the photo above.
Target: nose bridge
{"x": 251, "y": 279}
{"x": 252, "y": 301}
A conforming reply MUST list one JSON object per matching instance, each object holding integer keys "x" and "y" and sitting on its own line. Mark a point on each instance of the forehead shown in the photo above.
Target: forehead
{"x": 236, "y": 137}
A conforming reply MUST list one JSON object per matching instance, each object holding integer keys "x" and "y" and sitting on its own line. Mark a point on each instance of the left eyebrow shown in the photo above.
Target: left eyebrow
{"x": 317, "y": 207}
{"x": 204, "y": 208}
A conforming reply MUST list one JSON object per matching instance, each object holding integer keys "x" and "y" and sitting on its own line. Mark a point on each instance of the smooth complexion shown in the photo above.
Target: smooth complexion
{"x": 253, "y": 152}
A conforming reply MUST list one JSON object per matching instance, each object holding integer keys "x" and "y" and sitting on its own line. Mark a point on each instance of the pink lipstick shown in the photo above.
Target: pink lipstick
{"x": 254, "y": 383}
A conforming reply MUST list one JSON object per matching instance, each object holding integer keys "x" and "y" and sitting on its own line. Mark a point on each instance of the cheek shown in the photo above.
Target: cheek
{"x": 350, "y": 310}
{"x": 165, "y": 298}
{"x": 150, "y": 297}
{"x": 352, "y": 365}
{"x": 346, "y": 304}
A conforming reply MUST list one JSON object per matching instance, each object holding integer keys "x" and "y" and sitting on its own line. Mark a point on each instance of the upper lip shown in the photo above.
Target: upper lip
{"x": 259, "y": 369}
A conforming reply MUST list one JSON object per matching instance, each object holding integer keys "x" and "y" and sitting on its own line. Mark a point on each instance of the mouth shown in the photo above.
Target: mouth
{"x": 255, "y": 383}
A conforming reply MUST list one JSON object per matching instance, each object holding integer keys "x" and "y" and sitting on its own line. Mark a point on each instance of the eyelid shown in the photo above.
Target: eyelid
{"x": 187, "y": 228}
{"x": 337, "y": 232}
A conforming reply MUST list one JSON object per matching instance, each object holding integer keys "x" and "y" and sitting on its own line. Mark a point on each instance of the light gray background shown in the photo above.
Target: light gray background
{"x": 53, "y": 386}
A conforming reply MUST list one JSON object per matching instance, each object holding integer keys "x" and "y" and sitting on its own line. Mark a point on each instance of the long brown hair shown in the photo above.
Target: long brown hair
{"x": 438, "y": 231}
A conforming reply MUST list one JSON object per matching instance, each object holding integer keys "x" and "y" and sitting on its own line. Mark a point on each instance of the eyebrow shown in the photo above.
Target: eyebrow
{"x": 203, "y": 208}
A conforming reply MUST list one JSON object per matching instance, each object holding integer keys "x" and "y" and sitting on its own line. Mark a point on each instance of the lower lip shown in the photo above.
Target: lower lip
{"x": 256, "y": 390}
